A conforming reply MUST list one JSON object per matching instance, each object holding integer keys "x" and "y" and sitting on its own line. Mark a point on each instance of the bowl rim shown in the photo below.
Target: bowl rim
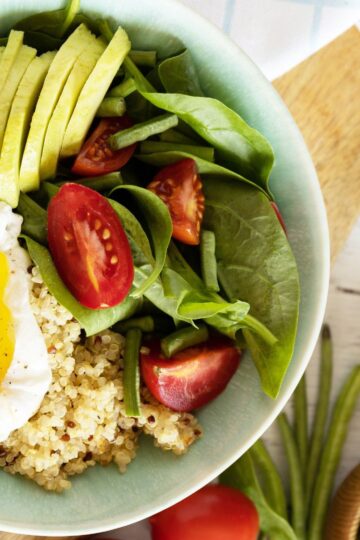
{"x": 324, "y": 271}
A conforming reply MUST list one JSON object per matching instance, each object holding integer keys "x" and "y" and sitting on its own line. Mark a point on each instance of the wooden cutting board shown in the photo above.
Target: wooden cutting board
{"x": 323, "y": 95}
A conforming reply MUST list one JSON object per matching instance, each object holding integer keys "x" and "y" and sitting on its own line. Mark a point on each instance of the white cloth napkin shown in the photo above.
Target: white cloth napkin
{"x": 277, "y": 35}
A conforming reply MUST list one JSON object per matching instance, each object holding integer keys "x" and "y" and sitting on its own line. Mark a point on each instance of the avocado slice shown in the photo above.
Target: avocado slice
{"x": 94, "y": 91}
{"x": 23, "y": 59}
{"x": 17, "y": 126}
{"x": 54, "y": 82}
{"x": 65, "y": 106}
{"x": 11, "y": 51}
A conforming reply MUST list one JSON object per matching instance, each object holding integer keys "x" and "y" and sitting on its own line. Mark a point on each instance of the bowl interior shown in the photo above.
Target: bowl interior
{"x": 102, "y": 499}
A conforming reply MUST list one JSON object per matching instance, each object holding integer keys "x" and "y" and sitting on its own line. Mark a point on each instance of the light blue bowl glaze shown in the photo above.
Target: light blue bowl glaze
{"x": 102, "y": 499}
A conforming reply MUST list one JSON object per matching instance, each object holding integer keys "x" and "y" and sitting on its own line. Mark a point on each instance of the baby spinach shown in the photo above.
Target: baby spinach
{"x": 238, "y": 145}
{"x": 159, "y": 225}
{"x": 91, "y": 320}
{"x": 34, "y": 219}
{"x": 241, "y": 475}
{"x": 255, "y": 263}
{"x": 55, "y": 22}
{"x": 178, "y": 75}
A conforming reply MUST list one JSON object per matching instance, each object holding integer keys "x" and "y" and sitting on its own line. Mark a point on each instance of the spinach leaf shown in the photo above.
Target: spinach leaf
{"x": 160, "y": 159}
{"x": 255, "y": 263}
{"x": 238, "y": 145}
{"x": 55, "y": 22}
{"x": 91, "y": 320}
{"x": 159, "y": 225}
{"x": 102, "y": 183}
{"x": 178, "y": 75}
{"x": 241, "y": 475}
{"x": 34, "y": 219}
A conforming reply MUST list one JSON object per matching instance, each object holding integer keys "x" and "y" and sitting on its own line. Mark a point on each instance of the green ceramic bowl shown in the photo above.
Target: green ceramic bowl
{"x": 102, "y": 499}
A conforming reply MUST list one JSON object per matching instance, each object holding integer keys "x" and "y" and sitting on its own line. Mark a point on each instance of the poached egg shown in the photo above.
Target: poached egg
{"x": 25, "y": 374}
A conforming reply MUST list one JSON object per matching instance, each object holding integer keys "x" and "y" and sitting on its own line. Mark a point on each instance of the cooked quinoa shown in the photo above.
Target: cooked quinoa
{"x": 82, "y": 418}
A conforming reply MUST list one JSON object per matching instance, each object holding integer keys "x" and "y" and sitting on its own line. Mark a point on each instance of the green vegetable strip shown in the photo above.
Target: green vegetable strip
{"x": 321, "y": 412}
{"x": 301, "y": 422}
{"x": 143, "y": 58}
{"x": 134, "y": 72}
{"x": 145, "y": 324}
{"x": 204, "y": 152}
{"x": 184, "y": 338}
{"x": 123, "y": 89}
{"x": 131, "y": 372}
{"x": 330, "y": 457}
{"x": 296, "y": 478}
{"x": 111, "y": 106}
{"x": 272, "y": 484}
{"x": 143, "y": 130}
{"x": 71, "y": 10}
{"x": 174, "y": 136}
{"x": 208, "y": 260}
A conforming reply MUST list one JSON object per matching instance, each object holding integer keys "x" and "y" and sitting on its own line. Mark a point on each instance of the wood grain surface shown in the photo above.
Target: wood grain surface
{"x": 322, "y": 93}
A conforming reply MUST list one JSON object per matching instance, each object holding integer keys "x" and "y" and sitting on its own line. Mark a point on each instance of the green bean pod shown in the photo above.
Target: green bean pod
{"x": 111, "y": 106}
{"x": 183, "y": 338}
{"x": 330, "y": 457}
{"x": 143, "y": 130}
{"x": 124, "y": 89}
{"x": 208, "y": 260}
{"x": 321, "y": 412}
{"x": 296, "y": 479}
{"x": 301, "y": 422}
{"x": 132, "y": 373}
{"x": 271, "y": 482}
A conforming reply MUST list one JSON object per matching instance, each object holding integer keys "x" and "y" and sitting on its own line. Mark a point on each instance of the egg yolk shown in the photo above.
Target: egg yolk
{"x": 7, "y": 333}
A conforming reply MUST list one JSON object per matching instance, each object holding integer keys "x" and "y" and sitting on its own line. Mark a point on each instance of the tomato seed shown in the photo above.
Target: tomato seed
{"x": 114, "y": 259}
{"x": 106, "y": 234}
{"x": 97, "y": 224}
{"x": 68, "y": 237}
{"x": 108, "y": 246}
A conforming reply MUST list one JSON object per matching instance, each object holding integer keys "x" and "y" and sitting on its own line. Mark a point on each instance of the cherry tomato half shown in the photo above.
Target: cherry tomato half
{"x": 191, "y": 377}
{"x": 180, "y": 187}
{"x": 96, "y": 157}
{"x": 89, "y": 246}
{"x": 215, "y": 512}
{"x": 278, "y": 215}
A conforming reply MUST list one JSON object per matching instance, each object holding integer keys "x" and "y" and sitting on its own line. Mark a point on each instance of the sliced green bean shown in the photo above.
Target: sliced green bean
{"x": 296, "y": 478}
{"x": 272, "y": 484}
{"x": 301, "y": 422}
{"x": 184, "y": 338}
{"x": 124, "y": 89}
{"x": 143, "y": 58}
{"x": 321, "y": 412}
{"x": 204, "y": 152}
{"x": 330, "y": 457}
{"x": 133, "y": 71}
{"x": 145, "y": 324}
{"x": 143, "y": 130}
{"x": 131, "y": 372}
{"x": 208, "y": 260}
{"x": 105, "y": 182}
{"x": 174, "y": 136}
{"x": 111, "y": 106}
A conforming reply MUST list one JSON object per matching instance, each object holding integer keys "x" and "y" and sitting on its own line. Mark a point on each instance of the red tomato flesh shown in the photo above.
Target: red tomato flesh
{"x": 180, "y": 187}
{"x": 89, "y": 247}
{"x": 192, "y": 377}
{"x": 278, "y": 215}
{"x": 215, "y": 512}
{"x": 96, "y": 157}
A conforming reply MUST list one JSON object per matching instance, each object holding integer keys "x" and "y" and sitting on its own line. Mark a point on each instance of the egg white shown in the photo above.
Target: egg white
{"x": 29, "y": 375}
